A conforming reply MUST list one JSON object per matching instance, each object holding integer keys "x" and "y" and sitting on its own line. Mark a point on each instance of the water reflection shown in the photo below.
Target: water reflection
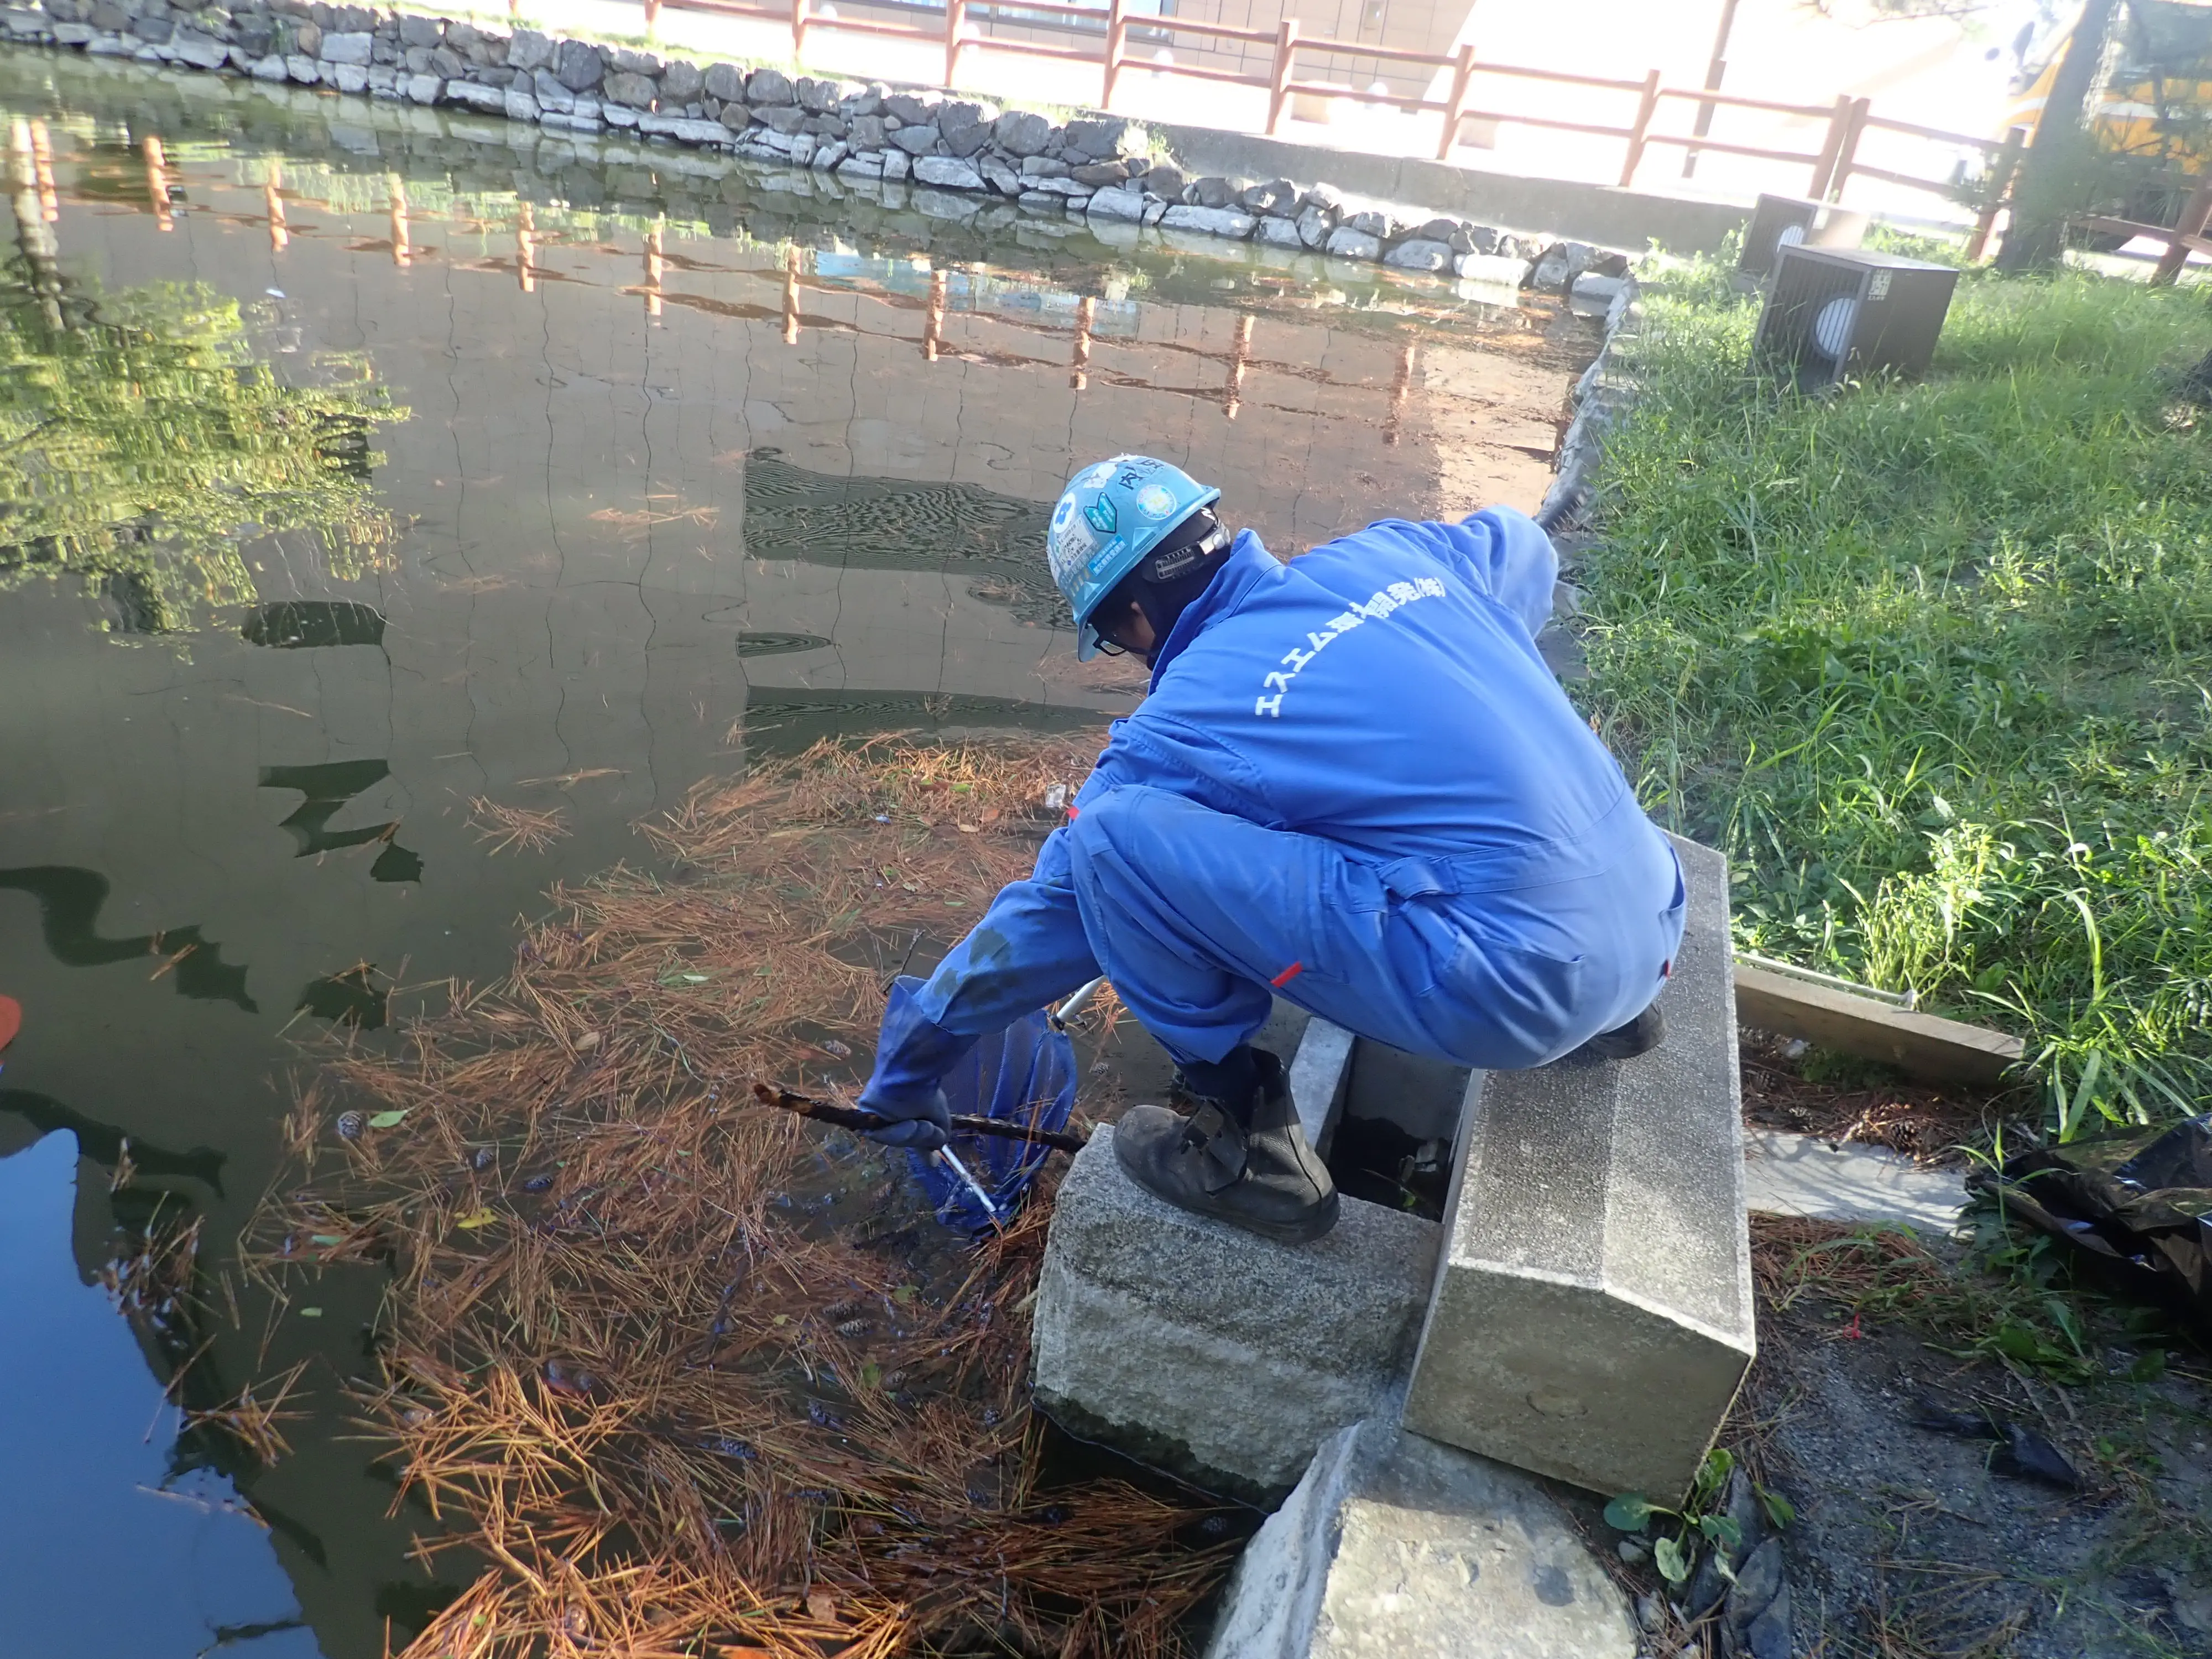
{"x": 95, "y": 1484}
{"x": 630, "y": 466}
{"x": 293, "y": 624}
{"x": 105, "y": 1144}
{"x": 328, "y": 789}
{"x": 145, "y": 444}
{"x": 69, "y": 903}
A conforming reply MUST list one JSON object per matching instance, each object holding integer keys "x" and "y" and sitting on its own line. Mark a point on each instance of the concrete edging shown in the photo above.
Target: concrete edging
{"x": 1921, "y": 1045}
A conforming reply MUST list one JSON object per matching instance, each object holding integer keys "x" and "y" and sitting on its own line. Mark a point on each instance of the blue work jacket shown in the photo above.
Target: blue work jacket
{"x": 1383, "y": 692}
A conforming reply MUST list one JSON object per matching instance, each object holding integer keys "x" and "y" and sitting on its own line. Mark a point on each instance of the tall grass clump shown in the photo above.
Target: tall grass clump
{"x": 1933, "y": 663}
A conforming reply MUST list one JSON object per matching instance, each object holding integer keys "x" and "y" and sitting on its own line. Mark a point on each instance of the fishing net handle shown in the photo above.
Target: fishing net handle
{"x": 860, "y": 1120}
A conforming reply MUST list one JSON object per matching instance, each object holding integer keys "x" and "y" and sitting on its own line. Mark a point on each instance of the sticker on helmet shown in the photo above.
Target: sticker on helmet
{"x": 1069, "y": 544}
{"x": 1102, "y": 515}
{"x": 1091, "y": 476}
{"x": 1156, "y": 501}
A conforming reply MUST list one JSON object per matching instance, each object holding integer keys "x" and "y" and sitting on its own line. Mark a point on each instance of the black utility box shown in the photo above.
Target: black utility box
{"x": 1836, "y": 314}
{"x": 1780, "y": 221}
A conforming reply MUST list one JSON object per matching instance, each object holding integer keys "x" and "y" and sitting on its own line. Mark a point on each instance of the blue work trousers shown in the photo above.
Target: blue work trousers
{"x": 1198, "y": 916}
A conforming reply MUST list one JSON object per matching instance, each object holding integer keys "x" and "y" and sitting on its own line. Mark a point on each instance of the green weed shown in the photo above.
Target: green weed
{"x": 1933, "y": 663}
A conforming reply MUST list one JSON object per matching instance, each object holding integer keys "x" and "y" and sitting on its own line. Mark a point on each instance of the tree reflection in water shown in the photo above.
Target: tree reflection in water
{"x": 143, "y": 447}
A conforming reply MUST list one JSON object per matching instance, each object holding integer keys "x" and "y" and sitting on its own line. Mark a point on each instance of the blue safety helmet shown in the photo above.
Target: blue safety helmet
{"x": 1109, "y": 516}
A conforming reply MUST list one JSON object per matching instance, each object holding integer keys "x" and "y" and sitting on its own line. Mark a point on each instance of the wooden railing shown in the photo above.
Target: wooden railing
{"x": 1104, "y": 37}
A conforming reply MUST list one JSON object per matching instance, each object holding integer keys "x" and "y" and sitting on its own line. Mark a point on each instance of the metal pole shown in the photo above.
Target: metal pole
{"x": 1060, "y": 1016}
{"x": 1713, "y": 71}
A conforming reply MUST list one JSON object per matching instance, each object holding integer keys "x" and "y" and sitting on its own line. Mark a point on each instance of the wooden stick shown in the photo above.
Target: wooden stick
{"x": 861, "y": 1120}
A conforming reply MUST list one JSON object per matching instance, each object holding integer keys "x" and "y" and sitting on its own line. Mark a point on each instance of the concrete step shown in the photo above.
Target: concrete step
{"x": 1395, "y": 1547}
{"x": 1205, "y": 1351}
{"x": 1592, "y": 1317}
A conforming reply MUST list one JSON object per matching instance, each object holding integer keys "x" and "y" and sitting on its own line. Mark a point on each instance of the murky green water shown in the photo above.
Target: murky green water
{"x": 355, "y": 466}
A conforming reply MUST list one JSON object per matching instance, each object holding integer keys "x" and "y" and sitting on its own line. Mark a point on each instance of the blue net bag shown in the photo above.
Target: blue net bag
{"x": 1024, "y": 1075}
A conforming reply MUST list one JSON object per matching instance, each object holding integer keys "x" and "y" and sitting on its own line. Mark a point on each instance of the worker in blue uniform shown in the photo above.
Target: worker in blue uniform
{"x": 1355, "y": 784}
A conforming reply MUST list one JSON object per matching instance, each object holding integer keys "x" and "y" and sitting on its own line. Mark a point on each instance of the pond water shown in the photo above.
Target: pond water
{"x": 357, "y": 466}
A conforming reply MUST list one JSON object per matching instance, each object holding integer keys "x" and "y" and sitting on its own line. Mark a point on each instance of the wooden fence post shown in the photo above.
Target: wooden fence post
{"x": 2196, "y": 214}
{"x": 1646, "y": 103}
{"x": 1463, "y": 73}
{"x": 1286, "y": 47}
{"x": 1823, "y": 164}
{"x": 1117, "y": 42}
{"x": 2001, "y": 173}
{"x": 797, "y": 29}
{"x": 1853, "y": 128}
{"x": 652, "y": 13}
{"x": 956, "y": 27}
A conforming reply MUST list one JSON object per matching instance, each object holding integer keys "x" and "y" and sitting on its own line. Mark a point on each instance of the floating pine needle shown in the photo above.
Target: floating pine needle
{"x": 251, "y": 1419}
{"x": 635, "y": 526}
{"x": 670, "y": 1374}
{"x": 514, "y": 826}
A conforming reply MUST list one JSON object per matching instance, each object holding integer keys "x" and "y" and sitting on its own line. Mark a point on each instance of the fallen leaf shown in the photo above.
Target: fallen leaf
{"x": 475, "y": 1219}
{"x": 969, "y": 828}
{"x": 11, "y": 1020}
{"x": 311, "y": 1313}
{"x": 586, "y": 1042}
{"x": 389, "y": 1119}
{"x": 990, "y": 815}
{"x": 327, "y": 1239}
{"x": 822, "y": 1607}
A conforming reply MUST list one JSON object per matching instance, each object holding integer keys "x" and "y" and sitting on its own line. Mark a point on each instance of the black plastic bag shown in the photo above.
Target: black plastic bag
{"x": 2135, "y": 1202}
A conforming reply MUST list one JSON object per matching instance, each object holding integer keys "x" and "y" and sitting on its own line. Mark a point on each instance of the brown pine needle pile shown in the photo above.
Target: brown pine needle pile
{"x": 684, "y": 1375}
{"x": 514, "y": 826}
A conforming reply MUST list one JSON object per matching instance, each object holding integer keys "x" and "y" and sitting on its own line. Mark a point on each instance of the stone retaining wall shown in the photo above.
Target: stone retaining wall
{"x": 1096, "y": 169}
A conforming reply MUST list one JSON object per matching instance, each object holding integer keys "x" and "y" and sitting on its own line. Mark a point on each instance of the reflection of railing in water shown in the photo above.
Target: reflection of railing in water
{"x": 42, "y": 170}
{"x": 403, "y": 250}
{"x": 790, "y": 294}
{"x": 30, "y": 188}
{"x": 1400, "y": 388}
{"x": 933, "y": 326}
{"x": 157, "y": 182}
{"x": 272, "y": 205}
{"x": 988, "y": 295}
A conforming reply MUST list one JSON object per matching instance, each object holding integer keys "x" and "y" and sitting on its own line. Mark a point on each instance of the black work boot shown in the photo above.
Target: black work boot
{"x": 1639, "y": 1037}
{"x": 1244, "y": 1161}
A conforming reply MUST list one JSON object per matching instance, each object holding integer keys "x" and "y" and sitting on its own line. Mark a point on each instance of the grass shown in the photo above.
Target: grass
{"x": 1933, "y": 663}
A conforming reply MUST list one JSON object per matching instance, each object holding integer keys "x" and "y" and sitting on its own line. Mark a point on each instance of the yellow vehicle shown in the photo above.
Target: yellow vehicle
{"x": 2154, "y": 106}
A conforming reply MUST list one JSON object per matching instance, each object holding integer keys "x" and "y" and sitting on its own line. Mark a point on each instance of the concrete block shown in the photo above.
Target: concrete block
{"x": 1212, "y": 1353}
{"x": 1805, "y": 1175}
{"x": 1394, "y": 1547}
{"x": 1593, "y": 1317}
{"x": 1320, "y": 1074}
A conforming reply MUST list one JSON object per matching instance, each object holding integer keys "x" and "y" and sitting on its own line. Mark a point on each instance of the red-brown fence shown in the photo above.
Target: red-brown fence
{"x": 1104, "y": 37}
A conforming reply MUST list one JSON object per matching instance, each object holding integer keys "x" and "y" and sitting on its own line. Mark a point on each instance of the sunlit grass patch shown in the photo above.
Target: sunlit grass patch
{"x": 1933, "y": 663}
